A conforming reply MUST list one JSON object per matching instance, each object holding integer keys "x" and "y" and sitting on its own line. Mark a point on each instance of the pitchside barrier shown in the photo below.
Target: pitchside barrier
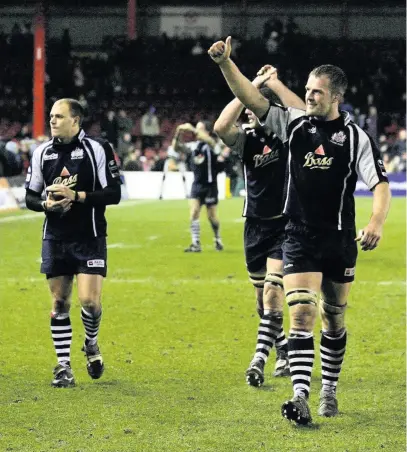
{"x": 159, "y": 185}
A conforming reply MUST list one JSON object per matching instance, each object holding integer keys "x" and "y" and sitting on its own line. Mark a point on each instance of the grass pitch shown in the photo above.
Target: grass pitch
{"x": 177, "y": 334}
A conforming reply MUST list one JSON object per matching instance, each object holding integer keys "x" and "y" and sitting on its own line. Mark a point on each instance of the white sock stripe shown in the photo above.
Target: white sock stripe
{"x": 261, "y": 355}
{"x": 294, "y": 378}
{"x": 334, "y": 359}
{"x": 68, "y": 342}
{"x": 332, "y": 352}
{"x": 63, "y": 350}
{"x": 300, "y": 360}
{"x": 61, "y": 328}
{"x": 329, "y": 382}
{"x": 300, "y": 368}
{"x": 300, "y": 386}
{"x": 301, "y": 352}
{"x": 331, "y": 366}
{"x": 61, "y": 336}
{"x": 330, "y": 374}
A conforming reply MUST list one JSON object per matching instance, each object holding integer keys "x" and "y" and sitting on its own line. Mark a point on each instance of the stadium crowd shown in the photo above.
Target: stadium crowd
{"x": 136, "y": 93}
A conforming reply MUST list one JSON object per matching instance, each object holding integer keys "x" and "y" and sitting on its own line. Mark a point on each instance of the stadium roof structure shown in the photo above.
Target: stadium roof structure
{"x": 248, "y": 3}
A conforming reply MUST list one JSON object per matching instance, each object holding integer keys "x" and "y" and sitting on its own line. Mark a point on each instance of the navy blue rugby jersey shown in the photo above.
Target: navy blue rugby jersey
{"x": 85, "y": 164}
{"x": 264, "y": 160}
{"x": 326, "y": 158}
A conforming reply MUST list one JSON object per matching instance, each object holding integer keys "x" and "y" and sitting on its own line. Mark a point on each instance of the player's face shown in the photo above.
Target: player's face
{"x": 318, "y": 97}
{"x": 253, "y": 121}
{"x": 62, "y": 124}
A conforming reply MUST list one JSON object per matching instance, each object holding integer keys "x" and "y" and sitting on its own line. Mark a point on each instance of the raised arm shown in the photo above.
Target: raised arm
{"x": 241, "y": 86}
{"x": 225, "y": 125}
{"x": 287, "y": 97}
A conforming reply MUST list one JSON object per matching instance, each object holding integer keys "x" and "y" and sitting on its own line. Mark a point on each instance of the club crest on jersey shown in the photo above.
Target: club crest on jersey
{"x": 268, "y": 156}
{"x": 312, "y": 130}
{"x": 338, "y": 138}
{"x": 77, "y": 154}
{"x": 318, "y": 159}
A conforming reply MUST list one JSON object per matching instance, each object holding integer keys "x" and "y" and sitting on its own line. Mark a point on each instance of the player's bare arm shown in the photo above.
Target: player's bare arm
{"x": 240, "y": 85}
{"x": 202, "y": 135}
{"x": 287, "y": 97}
{"x": 177, "y": 141}
{"x": 225, "y": 125}
{"x": 371, "y": 234}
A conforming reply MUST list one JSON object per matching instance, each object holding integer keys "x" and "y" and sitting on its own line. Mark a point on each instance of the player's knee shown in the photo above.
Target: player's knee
{"x": 332, "y": 316}
{"x": 61, "y": 306}
{"x": 91, "y": 305}
{"x": 302, "y": 304}
{"x": 259, "y": 302}
{"x": 275, "y": 317}
{"x": 273, "y": 291}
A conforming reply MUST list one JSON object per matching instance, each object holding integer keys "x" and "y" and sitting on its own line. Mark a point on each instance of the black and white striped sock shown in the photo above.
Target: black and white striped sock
{"x": 91, "y": 322}
{"x": 61, "y": 331}
{"x": 281, "y": 341}
{"x": 301, "y": 355}
{"x": 195, "y": 232}
{"x": 269, "y": 328}
{"x": 332, "y": 353}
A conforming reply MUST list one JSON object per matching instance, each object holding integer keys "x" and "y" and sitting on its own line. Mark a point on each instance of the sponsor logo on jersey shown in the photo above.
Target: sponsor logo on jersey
{"x": 28, "y": 177}
{"x": 66, "y": 178}
{"x": 96, "y": 263}
{"x": 113, "y": 168}
{"x": 318, "y": 159}
{"x": 77, "y": 154}
{"x": 350, "y": 271}
{"x": 338, "y": 138}
{"x": 382, "y": 168}
{"x": 268, "y": 156}
{"x": 52, "y": 156}
{"x": 199, "y": 159}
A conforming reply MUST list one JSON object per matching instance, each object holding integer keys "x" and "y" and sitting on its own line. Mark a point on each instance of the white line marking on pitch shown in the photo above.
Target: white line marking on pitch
{"x": 39, "y": 215}
{"x": 226, "y": 280}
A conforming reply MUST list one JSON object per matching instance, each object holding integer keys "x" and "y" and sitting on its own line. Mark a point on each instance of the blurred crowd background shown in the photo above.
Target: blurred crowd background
{"x": 135, "y": 92}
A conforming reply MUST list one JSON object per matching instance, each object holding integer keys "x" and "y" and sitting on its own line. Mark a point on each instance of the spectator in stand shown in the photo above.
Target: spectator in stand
{"x": 161, "y": 160}
{"x": 371, "y": 126}
{"x": 110, "y": 128}
{"x": 150, "y": 128}
{"x": 132, "y": 162}
{"x": 125, "y": 124}
{"x": 124, "y": 146}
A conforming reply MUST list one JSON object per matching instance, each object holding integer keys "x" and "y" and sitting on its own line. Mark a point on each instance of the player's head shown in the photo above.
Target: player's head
{"x": 204, "y": 125}
{"x": 325, "y": 89}
{"x": 66, "y": 118}
{"x": 269, "y": 95}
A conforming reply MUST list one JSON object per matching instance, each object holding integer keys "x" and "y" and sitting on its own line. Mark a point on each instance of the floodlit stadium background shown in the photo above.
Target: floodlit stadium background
{"x": 179, "y": 330}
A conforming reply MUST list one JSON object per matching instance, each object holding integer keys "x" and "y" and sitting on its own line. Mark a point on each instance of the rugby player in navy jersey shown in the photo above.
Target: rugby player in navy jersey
{"x": 327, "y": 155}
{"x": 206, "y": 164}
{"x": 264, "y": 166}
{"x": 80, "y": 177}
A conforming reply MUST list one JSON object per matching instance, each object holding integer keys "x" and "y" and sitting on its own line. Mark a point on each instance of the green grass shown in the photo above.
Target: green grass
{"x": 177, "y": 335}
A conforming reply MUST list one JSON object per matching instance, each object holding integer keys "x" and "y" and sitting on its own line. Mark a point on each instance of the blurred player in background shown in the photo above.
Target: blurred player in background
{"x": 265, "y": 167}
{"x": 206, "y": 164}
{"x": 81, "y": 177}
{"x": 328, "y": 152}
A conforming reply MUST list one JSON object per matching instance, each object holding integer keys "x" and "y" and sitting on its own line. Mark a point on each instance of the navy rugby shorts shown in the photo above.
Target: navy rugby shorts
{"x": 330, "y": 252}
{"x": 60, "y": 258}
{"x": 262, "y": 239}
{"x": 206, "y": 194}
